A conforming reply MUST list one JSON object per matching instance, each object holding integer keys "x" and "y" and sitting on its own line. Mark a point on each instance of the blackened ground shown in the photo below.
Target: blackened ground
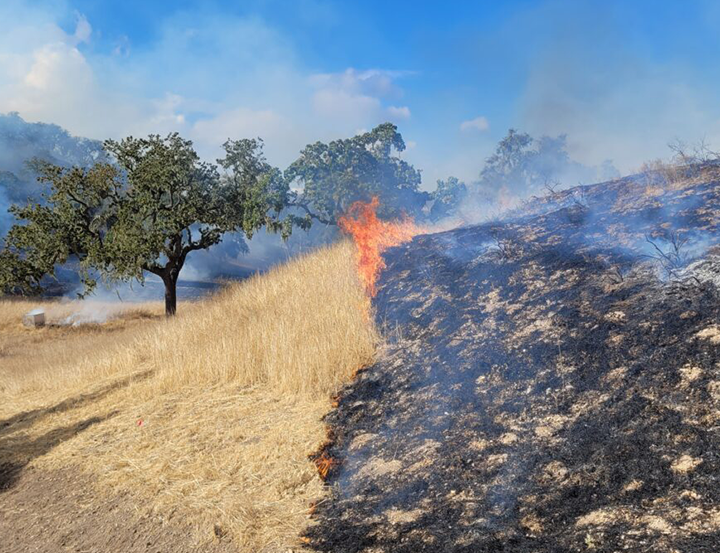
{"x": 548, "y": 385}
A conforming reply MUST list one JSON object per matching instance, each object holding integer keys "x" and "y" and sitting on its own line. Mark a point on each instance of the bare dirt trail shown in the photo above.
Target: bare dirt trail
{"x": 54, "y": 511}
{"x": 544, "y": 390}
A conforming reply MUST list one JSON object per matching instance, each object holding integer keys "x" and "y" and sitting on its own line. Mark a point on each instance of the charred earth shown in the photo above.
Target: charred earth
{"x": 550, "y": 383}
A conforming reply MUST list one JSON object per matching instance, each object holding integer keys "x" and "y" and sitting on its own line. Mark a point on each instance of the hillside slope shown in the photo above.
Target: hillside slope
{"x": 191, "y": 434}
{"x": 553, "y": 384}
{"x": 21, "y": 141}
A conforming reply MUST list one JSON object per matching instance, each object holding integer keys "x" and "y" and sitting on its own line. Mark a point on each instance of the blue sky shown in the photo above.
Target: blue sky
{"x": 622, "y": 79}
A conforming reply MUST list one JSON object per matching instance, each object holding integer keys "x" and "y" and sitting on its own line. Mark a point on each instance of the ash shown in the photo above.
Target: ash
{"x": 549, "y": 385}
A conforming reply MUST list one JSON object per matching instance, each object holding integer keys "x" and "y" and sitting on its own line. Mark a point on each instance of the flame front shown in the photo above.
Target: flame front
{"x": 372, "y": 237}
{"x": 324, "y": 465}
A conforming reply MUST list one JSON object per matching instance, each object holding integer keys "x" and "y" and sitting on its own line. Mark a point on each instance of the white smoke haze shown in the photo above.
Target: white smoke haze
{"x": 213, "y": 76}
{"x": 84, "y": 312}
{"x": 6, "y": 219}
{"x": 92, "y": 313}
{"x": 612, "y": 99}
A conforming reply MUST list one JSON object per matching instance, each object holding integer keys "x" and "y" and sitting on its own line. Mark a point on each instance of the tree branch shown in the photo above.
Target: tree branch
{"x": 307, "y": 210}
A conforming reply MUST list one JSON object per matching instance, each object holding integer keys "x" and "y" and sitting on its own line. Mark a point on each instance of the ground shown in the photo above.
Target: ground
{"x": 189, "y": 434}
{"x": 51, "y": 511}
{"x": 550, "y": 384}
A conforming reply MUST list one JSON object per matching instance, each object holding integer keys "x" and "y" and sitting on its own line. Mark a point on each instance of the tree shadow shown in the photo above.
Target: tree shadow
{"x": 24, "y": 449}
{"x": 26, "y": 419}
{"x": 17, "y": 449}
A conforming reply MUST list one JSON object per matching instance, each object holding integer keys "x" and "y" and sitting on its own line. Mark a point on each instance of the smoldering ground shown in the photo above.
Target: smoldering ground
{"x": 545, "y": 387}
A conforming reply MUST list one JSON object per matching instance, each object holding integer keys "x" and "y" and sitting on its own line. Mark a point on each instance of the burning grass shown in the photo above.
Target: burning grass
{"x": 209, "y": 417}
{"x": 372, "y": 237}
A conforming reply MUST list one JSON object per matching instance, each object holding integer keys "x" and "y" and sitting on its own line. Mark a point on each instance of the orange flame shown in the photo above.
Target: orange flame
{"x": 324, "y": 464}
{"x": 372, "y": 237}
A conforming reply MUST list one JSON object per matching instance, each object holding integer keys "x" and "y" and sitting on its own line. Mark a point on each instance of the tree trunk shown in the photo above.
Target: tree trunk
{"x": 170, "y": 296}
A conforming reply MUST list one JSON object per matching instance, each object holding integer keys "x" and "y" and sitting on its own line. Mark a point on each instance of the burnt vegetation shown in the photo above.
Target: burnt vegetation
{"x": 670, "y": 252}
{"x": 553, "y": 385}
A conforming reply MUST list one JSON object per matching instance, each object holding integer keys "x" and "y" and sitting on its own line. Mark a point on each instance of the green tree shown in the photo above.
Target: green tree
{"x": 143, "y": 213}
{"x": 447, "y": 197}
{"x": 18, "y": 276}
{"x": 510, "y": 167}
{"x": 332, "y": 176}
{"x": 522, "y": 165}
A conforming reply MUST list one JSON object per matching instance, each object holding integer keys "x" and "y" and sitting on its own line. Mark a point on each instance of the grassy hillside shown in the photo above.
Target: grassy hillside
{"x": 208, "y": 417}
{"x": 32, "y": 358}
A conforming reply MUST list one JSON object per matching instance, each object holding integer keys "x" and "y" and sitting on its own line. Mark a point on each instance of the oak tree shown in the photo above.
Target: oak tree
{"x": 334, "y": 175}
{"x": 144, "y": 212}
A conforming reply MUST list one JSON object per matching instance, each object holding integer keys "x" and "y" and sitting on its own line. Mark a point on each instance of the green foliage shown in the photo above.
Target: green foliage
{"x": 261, "y": 189}
{"x": 17, "y": 276}
{"x": 146, "y": 212}
{"x": 447, "y": 197}
{"x": 335, "y": 175}
{"x": 510, "y": 167}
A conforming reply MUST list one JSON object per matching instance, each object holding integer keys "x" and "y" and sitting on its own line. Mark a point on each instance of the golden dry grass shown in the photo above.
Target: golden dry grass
{"x": 29, "y": 356}
{"x": 209, "y": 417}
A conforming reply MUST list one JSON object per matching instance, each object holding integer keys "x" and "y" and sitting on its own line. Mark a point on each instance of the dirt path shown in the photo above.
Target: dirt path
{"x": 54, "y": 511}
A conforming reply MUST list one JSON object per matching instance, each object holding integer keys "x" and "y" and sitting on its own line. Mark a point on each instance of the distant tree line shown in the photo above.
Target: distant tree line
{"x": 147, "y": 203}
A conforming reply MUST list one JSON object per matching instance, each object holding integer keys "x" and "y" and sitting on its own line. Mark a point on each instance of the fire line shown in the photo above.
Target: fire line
{"x": 372, "y": 237}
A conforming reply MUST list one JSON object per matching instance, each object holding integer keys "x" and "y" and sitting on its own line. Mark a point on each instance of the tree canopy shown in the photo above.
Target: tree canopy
{"x": 332, "y": 176}
{"x": 145, "y": 212}
{"x": 447, "y": 197}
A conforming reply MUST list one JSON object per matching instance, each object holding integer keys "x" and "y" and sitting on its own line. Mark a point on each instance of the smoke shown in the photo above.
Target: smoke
{"x": 92, "y": 313}
{"x": 593, "y": 81}
{"x": 6, "y": 219}
{"x": 238, "y": 257}
{"x": 205, "y": 271}
{"x": 79, "y": 313}
{"x": 520, "y": 168}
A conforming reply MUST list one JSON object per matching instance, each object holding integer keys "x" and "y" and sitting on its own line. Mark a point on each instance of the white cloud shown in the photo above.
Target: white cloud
{"x": 355, "y": 98}
{"x": 83, "y": 30}
{"x": 210, "y": 77}
{"x": 399, "y": 112}
{"x": 379, "y": 83}
{"x": 122, "y": 47}
{"x": 54, "y": 64}
{"x": 477, "y": 124}
{"x": 282, "y": 138}
{"x": 345, "y": 105}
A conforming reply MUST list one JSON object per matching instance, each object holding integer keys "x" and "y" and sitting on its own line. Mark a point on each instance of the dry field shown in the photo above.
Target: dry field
{"x": 27, "y": 354}
{"x": 206, "y": 418}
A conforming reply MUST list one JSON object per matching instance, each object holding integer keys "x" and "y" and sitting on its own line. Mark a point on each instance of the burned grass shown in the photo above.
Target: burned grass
{"x": 561, "y": 395}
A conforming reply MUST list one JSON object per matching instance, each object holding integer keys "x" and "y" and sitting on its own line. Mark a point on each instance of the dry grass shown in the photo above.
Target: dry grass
{"x": 663, "y": 176}
{"x": 34, "y": 358}
{"x": 210, "y": 416}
